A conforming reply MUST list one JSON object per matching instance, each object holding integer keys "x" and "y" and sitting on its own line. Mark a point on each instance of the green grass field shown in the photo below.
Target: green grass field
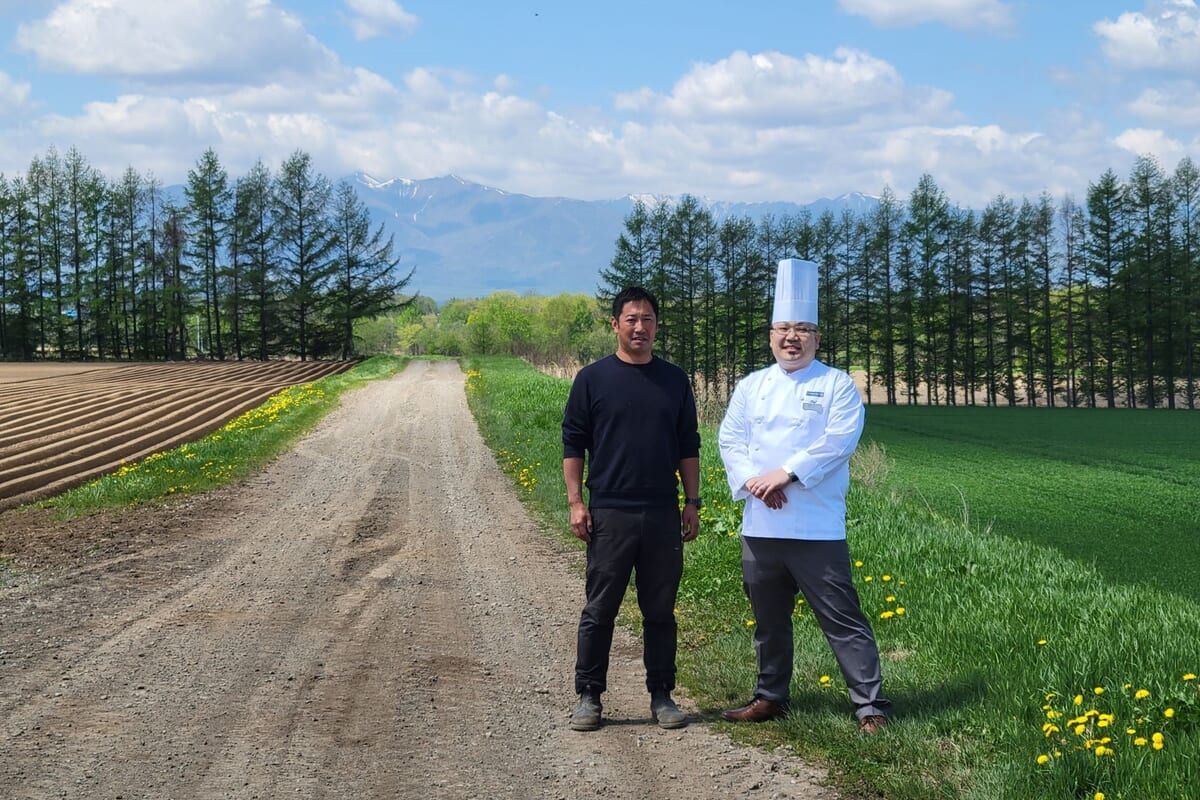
{"x": 1017, "y": 668}
{"x": 1118, "y": 489}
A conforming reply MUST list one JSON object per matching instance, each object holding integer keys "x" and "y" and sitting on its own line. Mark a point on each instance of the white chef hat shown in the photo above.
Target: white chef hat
{"x": 795, "y": 292}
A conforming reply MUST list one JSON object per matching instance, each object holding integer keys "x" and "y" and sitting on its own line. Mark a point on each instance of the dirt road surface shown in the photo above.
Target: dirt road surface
{"x": 372, "y": 616}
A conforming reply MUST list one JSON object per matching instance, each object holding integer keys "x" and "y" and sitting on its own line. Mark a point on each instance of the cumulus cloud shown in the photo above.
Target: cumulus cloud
{"x": 194, "y": 40}
{"x": 777, "y": 89}
{"x": 374, "y": 18}
{"x": 1151, "y": 142}
{"x": 1166, "y": 36}
{"x": 992, "y": 15}
{"x": 765, "y": 126}
{"x": 244, "y": 77}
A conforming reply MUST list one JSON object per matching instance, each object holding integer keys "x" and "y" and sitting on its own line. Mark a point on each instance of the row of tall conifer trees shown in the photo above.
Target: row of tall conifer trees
{"x": 1037, "y": 302}
{"x": 269, "y": 264}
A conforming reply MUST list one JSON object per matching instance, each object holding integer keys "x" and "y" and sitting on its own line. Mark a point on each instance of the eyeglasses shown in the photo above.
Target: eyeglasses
{"x": 800, "y": 330}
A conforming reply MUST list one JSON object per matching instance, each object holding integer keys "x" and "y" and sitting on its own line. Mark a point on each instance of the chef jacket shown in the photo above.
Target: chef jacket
{"x": 808, "y": 422}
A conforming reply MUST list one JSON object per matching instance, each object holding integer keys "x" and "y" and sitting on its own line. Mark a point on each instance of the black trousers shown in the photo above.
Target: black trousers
{"x": 648, "y": 544}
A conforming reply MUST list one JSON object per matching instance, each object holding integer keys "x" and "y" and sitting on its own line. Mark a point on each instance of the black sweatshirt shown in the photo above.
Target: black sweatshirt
{"x": 635, "y": 422}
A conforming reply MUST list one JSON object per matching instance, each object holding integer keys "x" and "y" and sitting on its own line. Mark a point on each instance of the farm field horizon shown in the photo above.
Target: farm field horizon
{"x": 1118, "y": 489}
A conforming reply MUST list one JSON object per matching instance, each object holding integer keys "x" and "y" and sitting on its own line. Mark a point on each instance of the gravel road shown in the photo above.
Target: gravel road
{"x": 372, "y": 616}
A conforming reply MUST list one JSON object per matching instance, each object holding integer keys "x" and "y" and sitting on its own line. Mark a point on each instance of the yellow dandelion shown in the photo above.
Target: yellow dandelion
{"x": 1170, "y": 712}
{"x": 1080, "y": 729}
{"x": 1078, "y": 700}
{"x": 887, "y": 615}
{"x": 749, "y": 623}
{"x": 891, "y": 598}
{"x": 1041, "y": 642}
{"x": 1141, "y": 694}
{"x": 1050, "y": 729}
{"x": 868, "y": 579}
{"x": 1098, "y": 796}
{"x": 825, "y": 679}
{"x": 1191, "y": 676}
{"x": 900, "y": 611}
{"x": 887, "y": 578}
{"x": 1098, "y": 690}
{"x": 858, "y": 563}
{"x": 1139, "y": 741}
{"x": 1043, "y": 759}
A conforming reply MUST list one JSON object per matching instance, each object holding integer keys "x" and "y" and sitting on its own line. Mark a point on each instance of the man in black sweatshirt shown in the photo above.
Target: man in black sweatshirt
{"x": 633, "y": 416}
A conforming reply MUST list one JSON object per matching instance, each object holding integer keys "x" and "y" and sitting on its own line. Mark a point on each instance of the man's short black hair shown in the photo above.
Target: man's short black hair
{"x": 633, "y": 294}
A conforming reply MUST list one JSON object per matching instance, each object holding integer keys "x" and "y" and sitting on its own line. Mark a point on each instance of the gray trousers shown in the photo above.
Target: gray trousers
{"x": 773, "y": 571}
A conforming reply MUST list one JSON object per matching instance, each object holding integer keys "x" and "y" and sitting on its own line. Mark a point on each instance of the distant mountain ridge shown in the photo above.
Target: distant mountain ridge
{"x": 468, "y": 240}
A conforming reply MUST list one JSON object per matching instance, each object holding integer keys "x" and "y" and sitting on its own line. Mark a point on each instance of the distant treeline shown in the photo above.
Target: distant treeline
{"x": 279, "y": 264}
{"x": 1031, "y": 303}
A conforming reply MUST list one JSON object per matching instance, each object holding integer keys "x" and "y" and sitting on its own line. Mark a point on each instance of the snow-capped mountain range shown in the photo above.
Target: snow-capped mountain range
{"x": 468, "y": 240}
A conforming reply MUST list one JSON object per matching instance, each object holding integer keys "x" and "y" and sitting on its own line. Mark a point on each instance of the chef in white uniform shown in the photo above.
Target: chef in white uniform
{"x": 786, "y": 441}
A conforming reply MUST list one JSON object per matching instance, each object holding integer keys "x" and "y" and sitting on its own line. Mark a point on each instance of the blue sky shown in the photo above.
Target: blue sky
{"x": 748, "y": 101}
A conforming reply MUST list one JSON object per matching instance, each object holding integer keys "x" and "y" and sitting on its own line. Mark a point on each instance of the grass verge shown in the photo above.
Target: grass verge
{"x": 1016, "y": 671}
{"x": 237, "y": 449}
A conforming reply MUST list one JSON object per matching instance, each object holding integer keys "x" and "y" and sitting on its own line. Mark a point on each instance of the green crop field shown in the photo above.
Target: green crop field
{"x": 1118, "y": 489}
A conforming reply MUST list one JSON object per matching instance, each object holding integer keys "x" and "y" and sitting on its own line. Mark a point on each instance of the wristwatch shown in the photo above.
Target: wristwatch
{"x": 791, "y": 475}
{"x": 693, "y": 501}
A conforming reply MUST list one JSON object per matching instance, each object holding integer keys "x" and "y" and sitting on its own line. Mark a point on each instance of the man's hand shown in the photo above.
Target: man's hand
{"x": 769, "y": 487}
{"x": 581, "y": 521}
{"x": 690, "y": 523}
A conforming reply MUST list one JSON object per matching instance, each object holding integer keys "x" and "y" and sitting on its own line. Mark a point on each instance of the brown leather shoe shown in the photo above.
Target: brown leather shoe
{"x": 871, "y": 725}
{"x": 757, "y": 710}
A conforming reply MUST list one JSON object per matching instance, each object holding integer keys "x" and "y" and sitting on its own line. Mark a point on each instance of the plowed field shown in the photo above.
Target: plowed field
{"x": 64, "y": 424}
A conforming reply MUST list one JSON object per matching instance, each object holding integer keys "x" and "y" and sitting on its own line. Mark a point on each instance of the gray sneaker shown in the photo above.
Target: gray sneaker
{"x": 587, "y": 713}
{"x": 665, "y": 712}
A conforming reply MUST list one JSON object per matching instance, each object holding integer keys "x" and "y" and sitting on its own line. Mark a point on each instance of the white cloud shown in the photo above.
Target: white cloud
{"x": 1157, "y": 143}
{"x": 1174, "y": 106}
{"x": 748, "y": 127}
{"x": 244, "y": 77}
{"x": 1166, "y": 37}
{"x": 194, "y": 40}
{"x": 777, "y": 89}
{"x": 13, "y": 94}
{"x": 374, "y": 18}
{"x": 991, "y": 15}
